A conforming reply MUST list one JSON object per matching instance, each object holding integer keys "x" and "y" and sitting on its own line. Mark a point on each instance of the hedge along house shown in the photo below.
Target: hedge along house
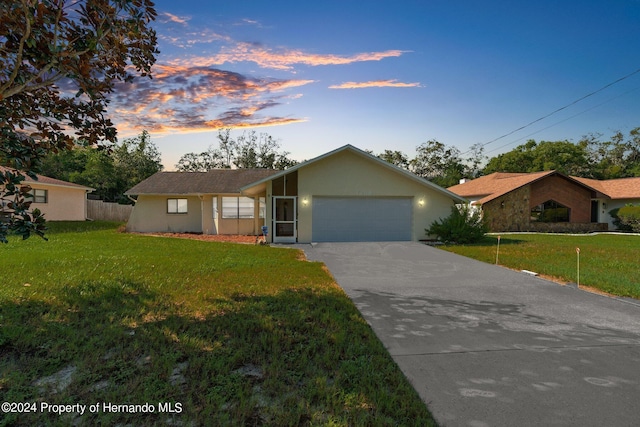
{"x": 199, "y": 202}
{"x": 540, "y": 201}
{"x": 58, "y": 200}
{"x": 350, "y": 195}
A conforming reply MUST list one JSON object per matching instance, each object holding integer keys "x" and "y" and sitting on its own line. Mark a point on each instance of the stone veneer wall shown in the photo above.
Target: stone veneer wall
{"x": 509, "y": 212}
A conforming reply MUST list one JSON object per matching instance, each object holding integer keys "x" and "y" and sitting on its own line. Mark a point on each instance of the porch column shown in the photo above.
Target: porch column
{"x": 256, "y": 215}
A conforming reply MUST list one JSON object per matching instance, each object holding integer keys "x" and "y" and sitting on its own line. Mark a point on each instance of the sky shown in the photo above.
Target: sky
{"x": 386, "y": 74}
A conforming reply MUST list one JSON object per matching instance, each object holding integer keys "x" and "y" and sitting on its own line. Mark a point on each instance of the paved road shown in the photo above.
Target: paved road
{"x": 487, "y": 346}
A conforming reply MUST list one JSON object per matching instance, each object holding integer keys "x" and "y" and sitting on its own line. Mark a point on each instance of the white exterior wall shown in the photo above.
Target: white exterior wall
{"x": 613, "y": 204}
{"x": 63, "y": 203}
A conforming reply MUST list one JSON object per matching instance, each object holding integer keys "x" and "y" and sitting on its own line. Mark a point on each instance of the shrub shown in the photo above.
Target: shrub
{"x": 629, "y": 216}
{"x": 616, "y": 220}
{"x": 463, "y": 225}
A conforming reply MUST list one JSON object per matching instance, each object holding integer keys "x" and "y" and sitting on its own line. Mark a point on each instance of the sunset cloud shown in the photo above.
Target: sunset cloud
{"x": 168, "y": 17}
{"x": 182, "y": 98}
{"x": 186, "y": 39}
{"x": 286, "y": 59}
{"x": 374, "y": 83}
{"x": 195, "y": 94}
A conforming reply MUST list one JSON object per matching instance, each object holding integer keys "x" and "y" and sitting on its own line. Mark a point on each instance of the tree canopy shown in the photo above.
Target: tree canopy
{"x": 110, "y": 172}
{"x": 563, "y": 156}
{"x": 591, "y": 157}
{"x": 616, "y": 157}
{"x": 438, "y": 163}
{"x": 250, "y": 150}
{"x": 59, "y": 61}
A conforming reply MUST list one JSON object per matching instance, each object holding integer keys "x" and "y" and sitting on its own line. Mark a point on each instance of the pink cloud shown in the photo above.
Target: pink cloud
{"x": 374, "y": 83}
{"x": 286, "y": 59}
{"x": 183, "y": 98}
{"x": 173, "y": 18}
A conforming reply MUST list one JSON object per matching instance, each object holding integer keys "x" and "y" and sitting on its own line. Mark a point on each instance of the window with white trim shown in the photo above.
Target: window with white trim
{"x": 238, "y": 207}
{"x": 177, "y": 206}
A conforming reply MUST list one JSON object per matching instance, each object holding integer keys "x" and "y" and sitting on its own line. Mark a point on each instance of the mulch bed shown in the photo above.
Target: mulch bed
{"x": 229, "y": 238}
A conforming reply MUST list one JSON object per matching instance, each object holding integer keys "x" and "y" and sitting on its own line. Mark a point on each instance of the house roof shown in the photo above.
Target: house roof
{"x": 364, "y": 154}
{"x": 49, "y": 181}
{"x": 489, "y": 187}
{"x": 623, "y": 188}
{"x": 215, "y": 181}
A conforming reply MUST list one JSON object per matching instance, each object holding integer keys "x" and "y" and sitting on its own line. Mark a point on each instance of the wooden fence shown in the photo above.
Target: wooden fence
{"x": 99, "y": 210}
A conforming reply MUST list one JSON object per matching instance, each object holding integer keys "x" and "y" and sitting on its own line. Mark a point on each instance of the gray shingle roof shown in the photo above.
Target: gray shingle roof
{"x": 50, "y": 181}
{"x": 216, "y": 181}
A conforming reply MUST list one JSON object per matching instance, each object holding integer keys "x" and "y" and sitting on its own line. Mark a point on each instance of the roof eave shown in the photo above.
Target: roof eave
{"x": 73, "y": 187}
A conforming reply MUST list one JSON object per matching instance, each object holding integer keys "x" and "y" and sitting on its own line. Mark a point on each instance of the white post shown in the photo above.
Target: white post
{"x": 497, "y": 250}
{"x": 578, "y": 253}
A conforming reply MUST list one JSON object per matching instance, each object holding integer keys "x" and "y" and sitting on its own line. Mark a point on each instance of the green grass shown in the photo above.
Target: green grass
{"x": 607, "y": 262}
{"x": 234, "y": 334}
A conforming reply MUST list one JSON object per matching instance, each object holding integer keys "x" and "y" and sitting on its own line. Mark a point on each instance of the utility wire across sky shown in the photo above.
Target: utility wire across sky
{"x": 562, "y": 121}
{"x": 560, "y": 109}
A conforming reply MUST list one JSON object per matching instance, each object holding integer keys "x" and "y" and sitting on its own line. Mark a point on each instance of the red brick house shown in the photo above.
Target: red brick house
{"x": 547, "y": 201}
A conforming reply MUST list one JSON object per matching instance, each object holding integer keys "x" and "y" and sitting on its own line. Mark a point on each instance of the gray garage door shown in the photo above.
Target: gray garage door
{"x": 361, "y": 219}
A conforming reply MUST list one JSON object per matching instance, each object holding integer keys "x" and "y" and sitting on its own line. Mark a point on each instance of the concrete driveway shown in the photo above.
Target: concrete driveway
{"x": 487, "y": 346}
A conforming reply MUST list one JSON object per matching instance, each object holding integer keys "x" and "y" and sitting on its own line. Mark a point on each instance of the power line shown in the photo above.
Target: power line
{"x": 564, "y": 120}
{"x": 561, "y": 108}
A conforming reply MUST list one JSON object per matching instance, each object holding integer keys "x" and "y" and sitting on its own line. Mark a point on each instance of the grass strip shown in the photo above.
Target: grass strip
{"x": 608, "y": 262}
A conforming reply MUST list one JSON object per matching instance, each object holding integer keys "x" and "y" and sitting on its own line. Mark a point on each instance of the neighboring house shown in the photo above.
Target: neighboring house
{"x": 620, "y": 192}
{"x": 343, "y": 195}
{"x": 547, "y": 201}
{"x": 58, "y": 200}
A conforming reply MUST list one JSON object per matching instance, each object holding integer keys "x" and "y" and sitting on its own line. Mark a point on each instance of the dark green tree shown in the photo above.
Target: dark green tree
{"x": 563, "y": 156}
{"x": 98, "y": 172}
{"x": 200, "y": 162}
{"x": 249, "y": 150}
{"x": 395, "y": 157}
{"x": 591, "y": 157}
{"x": 59, "y": 61}
{"x": 438, "y": 163}
{"x": 260, "y": 151}
{"x": 474, "y": 161}
{"x": 616, "y": 157}
{"x": 110, "y": 172}
{"x": 134, "y": 160}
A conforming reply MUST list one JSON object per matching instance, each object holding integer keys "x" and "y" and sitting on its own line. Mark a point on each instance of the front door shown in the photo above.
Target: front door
{"x": 594, "y": 211}
{"x": 285, "y": 219}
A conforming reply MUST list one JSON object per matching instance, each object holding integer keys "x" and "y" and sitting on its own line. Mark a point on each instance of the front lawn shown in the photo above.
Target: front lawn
{"x": 607, "y": 262}
{"x": 201, "y": 333}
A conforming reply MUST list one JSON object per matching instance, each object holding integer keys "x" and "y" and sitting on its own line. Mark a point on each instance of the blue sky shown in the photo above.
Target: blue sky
{"x": 386, "y": 75}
